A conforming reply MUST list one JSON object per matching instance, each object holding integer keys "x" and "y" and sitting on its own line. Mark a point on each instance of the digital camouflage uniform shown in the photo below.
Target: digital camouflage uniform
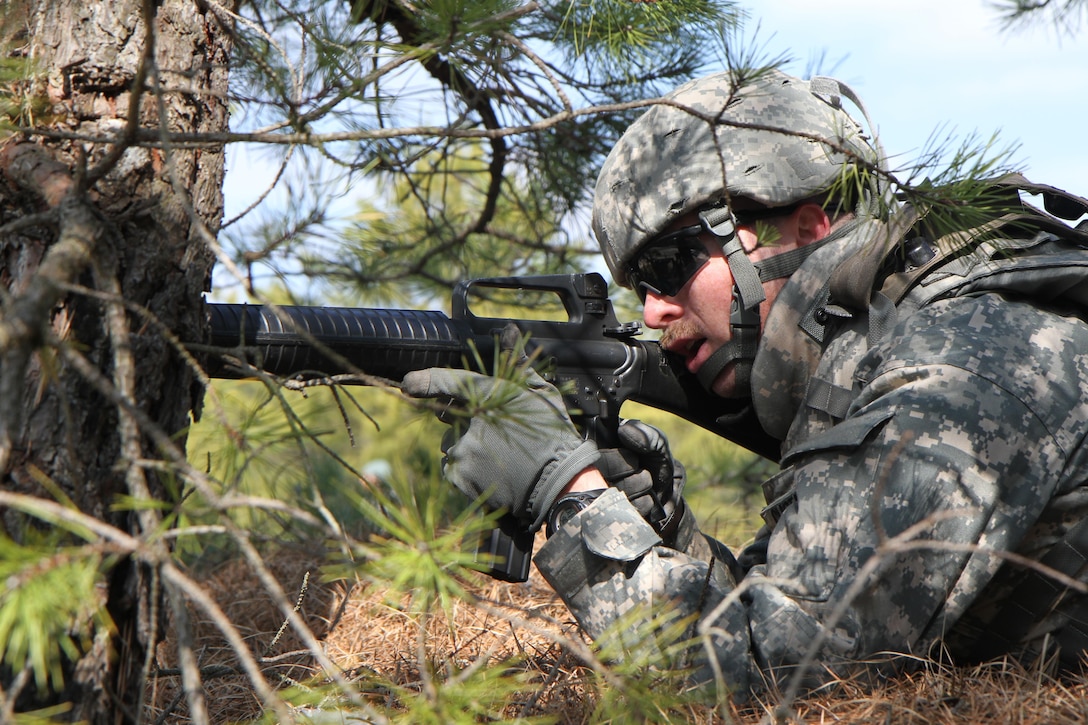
{"x": 920, "y": 442}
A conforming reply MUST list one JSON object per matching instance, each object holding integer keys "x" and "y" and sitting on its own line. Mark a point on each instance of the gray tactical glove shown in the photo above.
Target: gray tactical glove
{"x": 646, "y": 472}
{"x": 511, "y": 442}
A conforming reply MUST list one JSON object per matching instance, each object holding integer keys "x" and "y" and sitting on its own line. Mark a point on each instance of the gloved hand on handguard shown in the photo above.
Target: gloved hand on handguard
{"x": 510, "y": 442}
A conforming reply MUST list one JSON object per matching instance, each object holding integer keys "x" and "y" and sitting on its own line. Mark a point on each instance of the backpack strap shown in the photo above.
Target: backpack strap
{"x": 1056, "y": 201}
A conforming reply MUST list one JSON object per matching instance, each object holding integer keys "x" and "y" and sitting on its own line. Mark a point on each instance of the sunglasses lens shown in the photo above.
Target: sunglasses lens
{"x": 665, "y": 267}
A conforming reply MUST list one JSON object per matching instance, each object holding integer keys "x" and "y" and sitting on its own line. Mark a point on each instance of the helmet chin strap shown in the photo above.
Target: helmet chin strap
{"x": 740, "y": 350}
{"x": 748, "y": 294}
{"x": 744, "y": 311}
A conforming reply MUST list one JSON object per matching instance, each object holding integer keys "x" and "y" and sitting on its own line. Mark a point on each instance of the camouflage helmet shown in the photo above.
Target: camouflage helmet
{"x": 759, "y": 141}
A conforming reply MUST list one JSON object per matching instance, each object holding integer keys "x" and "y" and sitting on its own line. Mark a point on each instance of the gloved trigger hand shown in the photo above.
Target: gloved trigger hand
{"x": 511, "y": 443}
{"x": 651, "y": 447}
{"x": 644, "y": 469}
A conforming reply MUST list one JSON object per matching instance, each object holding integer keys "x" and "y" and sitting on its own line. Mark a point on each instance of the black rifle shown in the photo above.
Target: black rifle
{"x": 596, "y": 360}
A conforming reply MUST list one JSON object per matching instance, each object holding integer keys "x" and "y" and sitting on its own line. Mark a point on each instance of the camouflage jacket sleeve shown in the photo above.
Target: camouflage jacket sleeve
{"x": 968, "y": 422}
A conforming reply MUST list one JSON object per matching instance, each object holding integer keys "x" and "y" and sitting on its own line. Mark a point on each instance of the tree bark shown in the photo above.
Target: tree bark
{"x": 132, "y": 233}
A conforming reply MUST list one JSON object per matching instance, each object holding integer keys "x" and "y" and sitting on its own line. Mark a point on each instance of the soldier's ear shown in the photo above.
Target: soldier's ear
{"x": 811, "y": 223}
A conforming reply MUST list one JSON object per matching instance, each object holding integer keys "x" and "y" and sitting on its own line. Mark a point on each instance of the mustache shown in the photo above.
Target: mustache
{"x": 679, "y": 330}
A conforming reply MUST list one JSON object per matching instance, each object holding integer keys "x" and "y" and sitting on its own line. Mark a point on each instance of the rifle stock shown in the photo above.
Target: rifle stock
{"x": 598, "y": 362}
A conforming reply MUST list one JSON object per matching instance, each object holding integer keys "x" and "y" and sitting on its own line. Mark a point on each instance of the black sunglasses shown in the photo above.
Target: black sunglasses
{"x": 665, "y": 265}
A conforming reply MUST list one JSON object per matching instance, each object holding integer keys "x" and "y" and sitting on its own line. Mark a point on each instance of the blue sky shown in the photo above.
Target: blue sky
{"x": 926, "y": 65}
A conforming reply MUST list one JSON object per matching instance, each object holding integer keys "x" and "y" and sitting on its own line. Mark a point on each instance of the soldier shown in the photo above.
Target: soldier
{"x": 925, "y": 393}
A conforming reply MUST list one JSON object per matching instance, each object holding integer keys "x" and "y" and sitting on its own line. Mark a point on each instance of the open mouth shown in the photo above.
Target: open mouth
{"x": 688, "y": 342}
{"x": 694, "y": 348}
{"x": 688, "y": 350}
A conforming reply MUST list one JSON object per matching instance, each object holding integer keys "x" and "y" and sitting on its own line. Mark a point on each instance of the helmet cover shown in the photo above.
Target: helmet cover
{"x": 760, "y": 141}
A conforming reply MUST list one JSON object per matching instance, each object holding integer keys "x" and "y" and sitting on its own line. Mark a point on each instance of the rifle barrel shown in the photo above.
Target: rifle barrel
{"x": 381, "y": 342}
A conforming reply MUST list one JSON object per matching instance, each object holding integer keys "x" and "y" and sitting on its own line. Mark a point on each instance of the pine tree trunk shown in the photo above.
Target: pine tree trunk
{"x": 129, "y": 233}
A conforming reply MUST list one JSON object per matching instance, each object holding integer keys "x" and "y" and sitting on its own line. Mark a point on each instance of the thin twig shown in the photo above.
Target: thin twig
{"x": 298, "y": 608}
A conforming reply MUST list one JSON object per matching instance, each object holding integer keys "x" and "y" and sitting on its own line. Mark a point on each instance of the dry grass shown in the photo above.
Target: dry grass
{"x": 995, "y": 692}
{"x": 256, "y": 616}
{"x": 376, "y": 635}
{"x": 373, "y": 637}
